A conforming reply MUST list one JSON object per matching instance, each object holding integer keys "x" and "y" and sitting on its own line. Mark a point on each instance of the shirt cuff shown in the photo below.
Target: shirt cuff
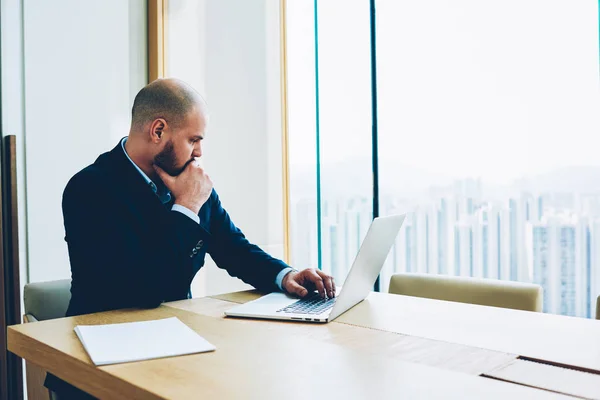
{"x": 187, "y": 212}
{"x": 280, "y": 276}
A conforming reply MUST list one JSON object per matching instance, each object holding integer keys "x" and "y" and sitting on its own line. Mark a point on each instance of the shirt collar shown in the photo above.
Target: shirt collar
{"x": 165, "y": 196}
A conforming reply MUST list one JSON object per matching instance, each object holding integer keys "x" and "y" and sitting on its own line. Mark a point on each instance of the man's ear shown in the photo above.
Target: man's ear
{"x": 157, "y": 128}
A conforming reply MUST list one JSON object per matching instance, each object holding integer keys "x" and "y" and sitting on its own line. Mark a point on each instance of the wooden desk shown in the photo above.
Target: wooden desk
{"x": 268, "y": 359}
{"x": 435, "y": 353}
{"x": 568, "y": 341}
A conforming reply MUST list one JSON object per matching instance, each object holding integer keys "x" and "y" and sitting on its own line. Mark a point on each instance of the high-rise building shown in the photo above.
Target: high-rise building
{"x": 432, "y": 238}
{"x": 351, "y": 236}
{"x": 554, "y": 263}
{"x": 514, "y": 239}
{"x": 420, "y": 241}
{"x": 334, "y": 253}
{"x": 493, "y": 242}
{"x": 568, "y": 304}
{"x": 446, "y": 236}
{"x": 519, "y": 254}
{"x": 588, "y": 274}
{"x": 464, "y": 248}
{"x": 410, "y": 252}
{"x": 583, "y": 265}
{"x": 304, "y": 233}
{"x": 327, "y": 222}
{"x": 400, "y": 260}
{"x": 549, "y": 238}
{"x": 504, "y": 258}
{"x": 484, "y": 243}
{"x": 542, "y": 263}
{"x": 594, "y": 268}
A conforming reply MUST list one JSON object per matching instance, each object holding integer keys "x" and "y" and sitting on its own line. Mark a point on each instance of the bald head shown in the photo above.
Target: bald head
{"x": 170, "y": 99}
{"x": 167, "y": 126}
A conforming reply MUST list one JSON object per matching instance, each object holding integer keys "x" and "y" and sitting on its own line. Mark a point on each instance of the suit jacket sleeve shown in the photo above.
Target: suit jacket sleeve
{"x": 233, "y": 252}
{"x": 112, "y": 265}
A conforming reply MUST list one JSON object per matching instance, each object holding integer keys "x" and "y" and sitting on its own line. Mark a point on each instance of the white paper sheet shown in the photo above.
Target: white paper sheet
{"x": 136, "y": 341}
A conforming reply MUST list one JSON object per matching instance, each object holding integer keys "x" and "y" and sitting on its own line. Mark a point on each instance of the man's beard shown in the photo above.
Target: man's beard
{"x": 166, "y": 160}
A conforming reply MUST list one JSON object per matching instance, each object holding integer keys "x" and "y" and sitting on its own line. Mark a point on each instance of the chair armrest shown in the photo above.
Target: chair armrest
{"x": 29, "y": 318}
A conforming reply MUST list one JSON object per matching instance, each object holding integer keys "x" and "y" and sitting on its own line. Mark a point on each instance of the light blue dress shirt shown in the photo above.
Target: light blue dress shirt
{"x": 165, "y": 197}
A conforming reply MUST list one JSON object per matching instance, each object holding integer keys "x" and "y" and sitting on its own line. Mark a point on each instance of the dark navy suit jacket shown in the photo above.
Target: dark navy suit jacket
{"x": 128, "y": 249}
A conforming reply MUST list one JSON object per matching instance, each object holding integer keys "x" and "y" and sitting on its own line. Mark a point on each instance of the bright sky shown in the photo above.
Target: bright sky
{"x": 483, "y": 88}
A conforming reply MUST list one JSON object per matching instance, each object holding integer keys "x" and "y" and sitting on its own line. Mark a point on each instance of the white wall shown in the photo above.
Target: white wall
{"x": 84, "y": 62}
{"x": 75, "y": 68}
{"x": 13, "y": 106}
{"x": 229, "y": 51}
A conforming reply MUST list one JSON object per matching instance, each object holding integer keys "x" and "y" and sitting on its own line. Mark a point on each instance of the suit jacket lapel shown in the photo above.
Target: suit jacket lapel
{"x": 136, "y": 192}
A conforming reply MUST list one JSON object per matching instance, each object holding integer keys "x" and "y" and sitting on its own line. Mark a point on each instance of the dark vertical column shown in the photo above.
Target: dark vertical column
{"x": 374, "y": 131}
{"x": 10, "y": 228}
{"x": 3, "y": 300}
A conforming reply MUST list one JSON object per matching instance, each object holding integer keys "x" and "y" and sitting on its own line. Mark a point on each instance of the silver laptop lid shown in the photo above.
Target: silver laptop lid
{"x": 368, "y": 263}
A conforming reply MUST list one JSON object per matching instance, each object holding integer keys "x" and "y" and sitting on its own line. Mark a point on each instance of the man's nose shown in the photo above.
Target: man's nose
{"x": 197, "y": 151}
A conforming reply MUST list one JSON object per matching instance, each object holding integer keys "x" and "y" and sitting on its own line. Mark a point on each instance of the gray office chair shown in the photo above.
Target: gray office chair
{"x": 47, "y": 300}
{"x": 43, "y": 300}
{"x": 486, "y": 292}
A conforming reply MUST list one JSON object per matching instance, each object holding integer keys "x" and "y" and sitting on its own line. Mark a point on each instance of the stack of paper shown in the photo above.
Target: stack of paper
{"x": 136, "y": 341}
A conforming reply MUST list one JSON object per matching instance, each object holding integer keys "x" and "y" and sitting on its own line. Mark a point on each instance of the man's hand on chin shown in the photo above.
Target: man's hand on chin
{"x": 301, "y": 283}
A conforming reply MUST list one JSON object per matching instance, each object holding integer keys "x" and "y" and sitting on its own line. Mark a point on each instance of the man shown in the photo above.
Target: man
{"x": 141, "y": 219}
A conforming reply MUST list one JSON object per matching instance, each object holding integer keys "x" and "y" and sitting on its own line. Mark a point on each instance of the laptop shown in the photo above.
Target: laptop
{"x": 359, "y": 282}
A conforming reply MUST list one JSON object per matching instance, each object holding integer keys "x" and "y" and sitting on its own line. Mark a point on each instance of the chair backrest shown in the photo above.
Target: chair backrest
{"x": 43, "y": 300}
{"x": 487, "y": 292}
{"x": 47, "y": 300}
{"x": 598, "y": 308}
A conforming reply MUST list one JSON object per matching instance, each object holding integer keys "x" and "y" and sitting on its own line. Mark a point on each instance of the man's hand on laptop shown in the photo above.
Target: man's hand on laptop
{"x": 301, "y": 283}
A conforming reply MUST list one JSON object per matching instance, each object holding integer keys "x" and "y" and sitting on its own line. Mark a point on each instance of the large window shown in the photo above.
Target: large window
{"x": 488, "y": 116}
{"x": 330, "y": 132}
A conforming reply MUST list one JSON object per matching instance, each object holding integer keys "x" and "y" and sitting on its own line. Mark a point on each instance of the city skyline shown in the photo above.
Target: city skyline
{"x": 546, "y": 238}
{"x": 475, "y": 124}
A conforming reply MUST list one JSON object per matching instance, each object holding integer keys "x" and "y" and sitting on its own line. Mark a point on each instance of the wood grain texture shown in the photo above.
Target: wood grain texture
{"x": 285, "y": 147}
{"x": 207, "y": 306}
{"x": 549, "y": 337}
{"x": 239, "y": 297}
{"x": 550, "y": 377}
{"x": 451, "y": 356}
{"x": 254, "y": 359}
{"x": 156, "y": 39}
{"x": 34, "y": 374}
{"x": 35, "y": 382}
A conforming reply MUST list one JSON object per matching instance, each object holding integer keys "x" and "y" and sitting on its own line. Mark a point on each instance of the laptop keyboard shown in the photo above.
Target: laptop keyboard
{"x": 311, "y": 305}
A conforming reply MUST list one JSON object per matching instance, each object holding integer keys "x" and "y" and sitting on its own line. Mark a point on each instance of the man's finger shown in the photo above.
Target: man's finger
{"x": 315, "y": 278}
{"x": 193, "y": 164}
{"x": 297, "y": 289}
{"x": 328, "y": 282}
{"x": 198, "y": 162}
{"x": 166, "y": 178}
